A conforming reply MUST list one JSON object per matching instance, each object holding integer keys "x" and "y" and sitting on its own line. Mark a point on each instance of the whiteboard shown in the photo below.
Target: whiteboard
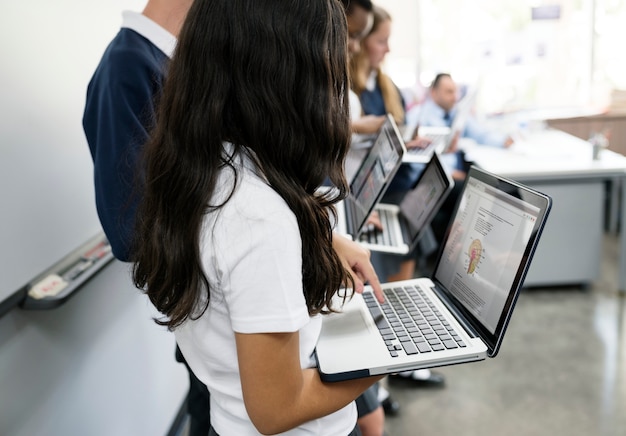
{"x": 49, "y": 51}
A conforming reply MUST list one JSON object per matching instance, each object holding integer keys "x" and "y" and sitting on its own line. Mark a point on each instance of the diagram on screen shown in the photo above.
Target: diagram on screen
{"x": 474, "y": 253}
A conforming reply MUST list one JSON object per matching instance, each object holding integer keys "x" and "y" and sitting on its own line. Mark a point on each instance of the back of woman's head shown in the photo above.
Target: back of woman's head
{"x": 265, "y": 75}
{"x": 271, "y": 74}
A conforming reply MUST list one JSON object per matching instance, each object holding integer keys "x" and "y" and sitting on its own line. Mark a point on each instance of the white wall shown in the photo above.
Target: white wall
{"x": 97, "y": 365}
{"x": 402, "y": 61}
{"x": 50, "y": 50}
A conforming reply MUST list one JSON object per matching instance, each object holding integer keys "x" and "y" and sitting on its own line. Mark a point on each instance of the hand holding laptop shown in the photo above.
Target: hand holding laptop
{"x": 412, "y": 139}
{"x": 418, "y": 142}
{"x": 373, "y": 222}
{"x": 368, "y": 124}
{"x": 400, "y": 227}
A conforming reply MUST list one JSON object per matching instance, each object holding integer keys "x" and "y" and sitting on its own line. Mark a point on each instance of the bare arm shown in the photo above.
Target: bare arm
{"x": 418, "y": 142}
{"x": 277, "y": 393}
{"x": 368, "y": 124}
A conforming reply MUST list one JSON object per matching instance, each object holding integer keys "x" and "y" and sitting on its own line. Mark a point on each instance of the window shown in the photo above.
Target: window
{"x": 519, "y": 53}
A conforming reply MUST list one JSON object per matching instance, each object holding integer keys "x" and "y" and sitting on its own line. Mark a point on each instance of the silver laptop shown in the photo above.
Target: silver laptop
{"x": 371, "y": 180}
{"x": 404, "y": 224}
{"x": 441, "y": 138}
{"x": 461, "y": 313}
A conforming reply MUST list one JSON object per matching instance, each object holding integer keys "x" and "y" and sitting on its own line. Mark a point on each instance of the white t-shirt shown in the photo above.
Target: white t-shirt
{"x": 252, "y": 255}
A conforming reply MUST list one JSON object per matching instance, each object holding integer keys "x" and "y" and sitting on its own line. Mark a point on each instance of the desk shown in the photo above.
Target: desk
{"x": 561, "y": 166}
{"x": 583, "y": 126}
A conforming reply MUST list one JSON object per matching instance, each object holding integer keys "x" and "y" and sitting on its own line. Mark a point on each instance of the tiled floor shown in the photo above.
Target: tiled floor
{"x": 561, "y": 371}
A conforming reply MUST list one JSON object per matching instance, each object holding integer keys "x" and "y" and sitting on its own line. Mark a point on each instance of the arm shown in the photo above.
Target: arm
{"x": 374, "y": 221}
{"x": 479, "y": 133}
{"x": 368, "y": 124}
{"x": 118, "y": 113}
{"x": 277, "y": 393}
{"x": 363, "y": 124}
{"x": 418, "y": 142}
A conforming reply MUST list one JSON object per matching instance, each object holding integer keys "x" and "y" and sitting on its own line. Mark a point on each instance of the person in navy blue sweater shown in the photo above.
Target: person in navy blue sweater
{"x": 118, "y": 115}
{"x": 119, "y": 112}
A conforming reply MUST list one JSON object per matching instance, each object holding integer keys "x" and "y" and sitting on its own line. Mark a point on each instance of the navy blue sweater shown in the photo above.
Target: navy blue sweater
{"x": 119, "y": 113}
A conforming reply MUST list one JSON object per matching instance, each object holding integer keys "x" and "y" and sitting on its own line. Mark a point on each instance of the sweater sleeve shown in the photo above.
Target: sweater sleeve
{"x": 119, "y": 112}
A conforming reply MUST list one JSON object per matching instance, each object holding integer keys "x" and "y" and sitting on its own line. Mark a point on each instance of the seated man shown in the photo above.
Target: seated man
{"x": 439, "y": 110}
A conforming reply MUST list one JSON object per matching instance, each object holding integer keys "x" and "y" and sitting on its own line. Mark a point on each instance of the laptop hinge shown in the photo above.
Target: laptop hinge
{"x": 405, "y": 228}
{"x": 349, "y": 209}
{"x": 457, "y": 314}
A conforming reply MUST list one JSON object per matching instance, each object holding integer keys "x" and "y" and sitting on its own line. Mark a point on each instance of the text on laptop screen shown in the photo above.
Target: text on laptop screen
{"x": 484, "y": 248}
{"x": 367, "y": 182}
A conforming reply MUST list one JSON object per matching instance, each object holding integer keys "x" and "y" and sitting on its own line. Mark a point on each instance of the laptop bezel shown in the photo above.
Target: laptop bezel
{"x": 355, "y": 228}
{"x": 493, "y": 341}
{"x": 440, "y": 168}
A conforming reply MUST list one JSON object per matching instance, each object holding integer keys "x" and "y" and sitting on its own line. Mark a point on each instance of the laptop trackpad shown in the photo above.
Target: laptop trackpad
{"x": 351, "y": 323}
{"x": 350, "y": 340}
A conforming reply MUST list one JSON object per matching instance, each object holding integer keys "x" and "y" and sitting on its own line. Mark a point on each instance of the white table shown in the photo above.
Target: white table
{"x": 561, "y": 166}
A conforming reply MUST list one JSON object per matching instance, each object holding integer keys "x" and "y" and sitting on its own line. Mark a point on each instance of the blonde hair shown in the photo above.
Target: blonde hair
{"x": 360, "y": 69}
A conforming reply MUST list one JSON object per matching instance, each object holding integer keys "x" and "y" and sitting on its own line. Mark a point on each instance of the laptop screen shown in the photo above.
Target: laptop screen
{"x": 487, "y": 249}
{"x": 421, "y": 203}
{"x": 375, "y": 173}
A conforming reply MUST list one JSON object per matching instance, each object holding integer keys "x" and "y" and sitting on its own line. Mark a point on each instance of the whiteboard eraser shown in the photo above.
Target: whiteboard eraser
{"x": 48, "y": 287}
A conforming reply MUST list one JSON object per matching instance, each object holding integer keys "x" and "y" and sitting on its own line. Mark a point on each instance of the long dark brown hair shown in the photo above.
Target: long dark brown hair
{"x": 265, "y": 75}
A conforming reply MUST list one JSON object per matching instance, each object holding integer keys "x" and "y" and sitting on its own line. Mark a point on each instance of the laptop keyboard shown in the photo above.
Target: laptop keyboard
{"x": 377, "y": 236}
{"x": 435, "y": 139}
{"x": 409, "y": 322}
{"x": 421, "y": 150}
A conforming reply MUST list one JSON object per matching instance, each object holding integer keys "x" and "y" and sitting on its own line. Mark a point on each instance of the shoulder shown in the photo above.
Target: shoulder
{"x": 429, "y": 106}
{"x": 255, "y": 200}
{"x": 130, "y": 73}
{"x": 253, "y": 206}
{"x": 130, "y": 45}
{"x": 430, "y": 114}
{"x": 127, "y": 57}
{"x": 251, "y": 244}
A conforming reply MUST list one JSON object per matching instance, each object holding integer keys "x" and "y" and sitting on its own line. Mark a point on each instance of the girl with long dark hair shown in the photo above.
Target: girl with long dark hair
{"x": 234, "y": 244}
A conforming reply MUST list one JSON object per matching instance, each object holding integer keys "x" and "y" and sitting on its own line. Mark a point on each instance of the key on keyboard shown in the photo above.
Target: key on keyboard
{"x": 409, "y": 323}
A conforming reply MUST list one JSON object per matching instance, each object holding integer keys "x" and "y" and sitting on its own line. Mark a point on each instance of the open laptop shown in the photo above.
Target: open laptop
{"x": 441, "y": 138}
{"x": 436, "y": 134}
{"x": 371, "y": 180}
{"x": 461, "y": 313}
{"x": 404, "y": 224}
